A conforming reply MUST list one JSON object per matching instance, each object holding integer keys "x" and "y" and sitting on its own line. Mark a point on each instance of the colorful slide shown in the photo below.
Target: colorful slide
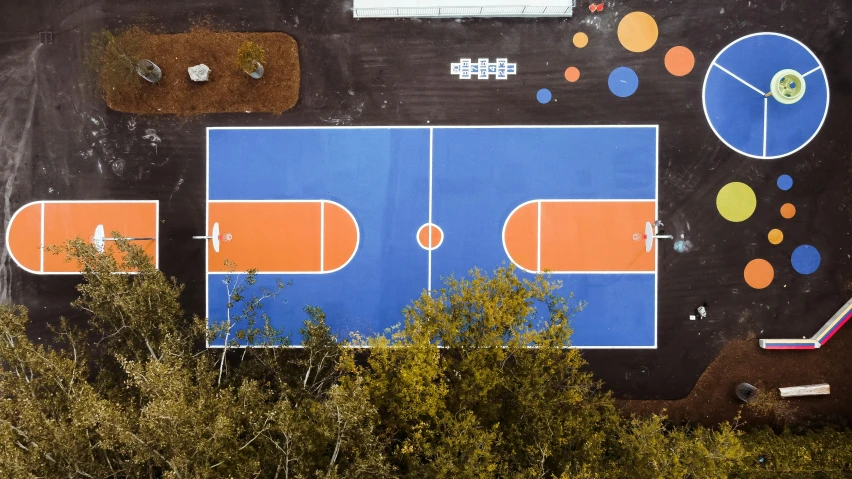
{"x": 821, "y": 337}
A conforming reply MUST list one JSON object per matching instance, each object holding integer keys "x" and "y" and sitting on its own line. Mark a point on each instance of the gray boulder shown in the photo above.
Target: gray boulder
{"x": 199, "y": 72}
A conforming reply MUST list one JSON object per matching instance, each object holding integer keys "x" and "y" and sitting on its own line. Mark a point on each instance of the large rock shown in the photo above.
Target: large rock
{"x": 199, "y": 72}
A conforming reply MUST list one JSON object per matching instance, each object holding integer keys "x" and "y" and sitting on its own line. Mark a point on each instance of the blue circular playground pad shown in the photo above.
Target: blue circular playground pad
{"x": 785, "y": 182}
{"x": 623, "y": 82}
{"x": 737, "y": 106}
{"x": 543, "y": 96}
{"x": 805, "y": 259}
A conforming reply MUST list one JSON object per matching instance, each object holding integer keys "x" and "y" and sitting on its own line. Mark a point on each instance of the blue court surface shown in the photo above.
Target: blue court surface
{"x": 736, "y": 106}
{"x": 464, "y": 180}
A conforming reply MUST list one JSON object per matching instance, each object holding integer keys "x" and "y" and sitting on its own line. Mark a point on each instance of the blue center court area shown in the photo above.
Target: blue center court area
{"x": 464, "y": 180}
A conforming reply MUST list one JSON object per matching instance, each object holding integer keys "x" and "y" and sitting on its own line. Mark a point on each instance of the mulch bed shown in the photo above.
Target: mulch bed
{"x": 229, "y": 88}
{"x": 713, "y": 400}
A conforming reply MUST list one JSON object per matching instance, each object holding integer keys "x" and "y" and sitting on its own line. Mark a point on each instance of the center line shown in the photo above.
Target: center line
{"x": 429, "y": 250}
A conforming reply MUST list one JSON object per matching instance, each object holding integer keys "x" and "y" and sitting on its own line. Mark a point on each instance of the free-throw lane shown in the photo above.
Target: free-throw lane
{"x": 303, "y": 236}
{"x": 46, "y": 223}
{"x": 561, "y": 236}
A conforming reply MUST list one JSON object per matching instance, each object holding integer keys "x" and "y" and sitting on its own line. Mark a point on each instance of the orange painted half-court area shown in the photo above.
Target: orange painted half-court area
{"x": 304, "y": 236}
{"x": 579, "y": 236}
{"x": 46, "y": 223}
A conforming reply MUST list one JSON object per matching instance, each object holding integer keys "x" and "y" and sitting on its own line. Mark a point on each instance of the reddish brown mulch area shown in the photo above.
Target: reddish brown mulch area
{"x": 713, "y": 400}
{"x": 229, "y": 88}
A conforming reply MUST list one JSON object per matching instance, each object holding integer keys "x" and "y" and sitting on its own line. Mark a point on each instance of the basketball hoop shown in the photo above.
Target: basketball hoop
{"x": 216, "y": 237}
{"x": 651, "y": 235}
{"x": 99, "y": 239}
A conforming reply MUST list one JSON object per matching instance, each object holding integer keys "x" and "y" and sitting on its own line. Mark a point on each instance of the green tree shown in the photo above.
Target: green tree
{"x": 820, "y": 453}
{"x": 480, "y": 381}
{"x": 652, "y": 448}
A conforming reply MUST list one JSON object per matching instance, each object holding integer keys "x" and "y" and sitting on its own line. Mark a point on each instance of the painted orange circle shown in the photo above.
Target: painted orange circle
{"x": 580, "y": 40}
{"x": 759, "y": 273}
{"x": 423, "y": 236}
{"x": 572, "y": 74}
{"x": 788, "y": 210}
{"x": 775, "y": 236}
{"x": 679, "y": 61}
{"x": 638, "y": 32}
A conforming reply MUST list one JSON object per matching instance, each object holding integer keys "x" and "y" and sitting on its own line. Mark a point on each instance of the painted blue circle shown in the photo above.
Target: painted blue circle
{"x": 805, "y": 259}
{"x": 623, "y": 82}
{"x": 785, "y": 182}
{"x": 735, "y": 101}
{"x": 543, "y": 96}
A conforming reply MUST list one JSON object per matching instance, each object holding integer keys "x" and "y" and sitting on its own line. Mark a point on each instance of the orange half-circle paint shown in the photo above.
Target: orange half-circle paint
{"x": 23, "y": 237}
{"x": 46, "y": 223}
{"x": 293, "y": 237}
{"x": 425, "y": 241}
{"x": 579, "y": 236}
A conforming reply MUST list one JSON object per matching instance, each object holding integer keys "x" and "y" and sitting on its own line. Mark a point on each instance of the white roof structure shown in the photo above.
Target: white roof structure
{"x": 462, "y": 8}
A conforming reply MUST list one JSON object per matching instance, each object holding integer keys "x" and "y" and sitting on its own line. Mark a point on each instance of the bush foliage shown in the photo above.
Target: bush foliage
{"x": 138, "y": 394}
{"x": 248, "y": 54}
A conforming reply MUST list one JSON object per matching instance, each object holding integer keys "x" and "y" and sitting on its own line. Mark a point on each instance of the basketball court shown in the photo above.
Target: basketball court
{"x": 362, "y": 220}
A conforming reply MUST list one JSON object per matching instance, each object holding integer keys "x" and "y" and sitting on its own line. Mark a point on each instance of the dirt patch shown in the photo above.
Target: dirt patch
{"x": 713, "y": 400}
{"x": 229, "y": 89}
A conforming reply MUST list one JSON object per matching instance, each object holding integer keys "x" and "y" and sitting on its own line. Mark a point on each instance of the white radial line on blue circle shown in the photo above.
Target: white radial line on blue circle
{"x": 720, "y": 67}
{"x": 818, "y": 67}
{"x": 765, "y": 115}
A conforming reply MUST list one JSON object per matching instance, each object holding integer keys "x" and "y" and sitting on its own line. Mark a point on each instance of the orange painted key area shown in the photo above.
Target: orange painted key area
{"x": 579, "y": 236}
{"x": 66, "y": 220}
{"x": 310, "y": 236}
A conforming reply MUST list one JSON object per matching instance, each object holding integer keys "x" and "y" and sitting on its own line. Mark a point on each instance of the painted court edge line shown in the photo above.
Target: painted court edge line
{"x": 656, "y": 218}
{"x": 422, "y": 127}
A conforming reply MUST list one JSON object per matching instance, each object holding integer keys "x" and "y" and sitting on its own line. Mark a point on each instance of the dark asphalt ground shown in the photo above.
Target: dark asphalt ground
{"x": 58, "y": 141}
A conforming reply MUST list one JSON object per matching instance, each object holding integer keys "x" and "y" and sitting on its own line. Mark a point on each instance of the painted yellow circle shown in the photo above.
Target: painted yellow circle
{"x": 736, "y": 202}
{"x": 638, "y": 32}
{"x": 580, "y": 40}
{"x": 776, "y": 236}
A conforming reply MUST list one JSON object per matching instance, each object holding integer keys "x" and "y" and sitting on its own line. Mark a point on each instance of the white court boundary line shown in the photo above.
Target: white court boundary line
{"x": 431, "y": 131}
{"x": 714, "y": 63}
{"x": 41, "y": 271}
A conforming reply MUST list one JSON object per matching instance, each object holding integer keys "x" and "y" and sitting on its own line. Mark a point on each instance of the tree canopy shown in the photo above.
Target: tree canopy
{"x": 477, "y": 381}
